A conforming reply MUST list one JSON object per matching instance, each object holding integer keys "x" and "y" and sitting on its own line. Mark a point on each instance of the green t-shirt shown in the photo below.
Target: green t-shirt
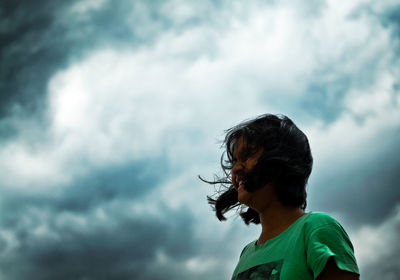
{"x": 300, "y": 252}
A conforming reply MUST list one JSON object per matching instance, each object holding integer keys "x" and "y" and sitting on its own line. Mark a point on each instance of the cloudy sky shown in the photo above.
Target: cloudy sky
{"x": 110, "y": 109}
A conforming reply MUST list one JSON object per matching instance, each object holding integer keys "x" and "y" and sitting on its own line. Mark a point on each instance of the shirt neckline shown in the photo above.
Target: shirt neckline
{"x": 282, "y": 233}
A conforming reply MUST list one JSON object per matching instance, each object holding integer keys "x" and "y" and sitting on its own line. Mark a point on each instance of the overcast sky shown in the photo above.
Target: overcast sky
{"x": 110, "y": 109}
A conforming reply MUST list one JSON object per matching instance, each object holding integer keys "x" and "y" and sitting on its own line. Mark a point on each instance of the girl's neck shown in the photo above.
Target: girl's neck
{"x": 276, "y": 220}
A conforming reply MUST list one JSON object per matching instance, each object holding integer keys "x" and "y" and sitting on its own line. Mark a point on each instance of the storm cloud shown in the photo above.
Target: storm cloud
{"x": 110, "y": 109}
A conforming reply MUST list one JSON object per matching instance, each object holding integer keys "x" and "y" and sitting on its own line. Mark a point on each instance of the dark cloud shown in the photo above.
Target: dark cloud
{"x": 39, "y": 38}
{"x": 31, "y": 51}
{"x": 114, "y": 182}
{"x": 123, "y": 250}
{"x": 323, "y": 99}
{"x": 365, "y": 193}
{"x": 128, "y": 181}
{"x": 391, "y": 19}
{"x": 120, "y": 247}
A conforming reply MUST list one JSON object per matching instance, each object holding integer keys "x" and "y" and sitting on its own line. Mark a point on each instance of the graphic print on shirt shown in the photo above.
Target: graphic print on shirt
{"x": 266, "y": 271}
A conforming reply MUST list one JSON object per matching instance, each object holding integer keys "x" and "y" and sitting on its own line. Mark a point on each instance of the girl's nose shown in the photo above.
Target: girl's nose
{"x": 237, "y": 167}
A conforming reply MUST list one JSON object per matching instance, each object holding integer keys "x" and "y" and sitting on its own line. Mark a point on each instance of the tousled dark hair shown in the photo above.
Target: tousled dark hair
{"x": 286, "y": 162}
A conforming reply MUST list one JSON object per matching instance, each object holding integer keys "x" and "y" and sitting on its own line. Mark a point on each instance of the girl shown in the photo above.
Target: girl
{"x": 266, "y": 171}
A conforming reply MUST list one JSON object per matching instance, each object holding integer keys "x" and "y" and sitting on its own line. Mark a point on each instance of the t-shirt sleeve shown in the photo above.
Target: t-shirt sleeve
{"x": 327, "y": 241}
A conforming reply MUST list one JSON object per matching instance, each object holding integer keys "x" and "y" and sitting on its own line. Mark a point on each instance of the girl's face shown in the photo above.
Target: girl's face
{"x": 244, "y": 159}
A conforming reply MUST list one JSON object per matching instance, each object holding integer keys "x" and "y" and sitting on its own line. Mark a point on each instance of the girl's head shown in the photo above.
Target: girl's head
{"x": 267, "y": 149}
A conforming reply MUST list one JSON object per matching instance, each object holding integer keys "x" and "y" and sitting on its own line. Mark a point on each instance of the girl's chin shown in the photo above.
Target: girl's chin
{"x": 243, "y": 195}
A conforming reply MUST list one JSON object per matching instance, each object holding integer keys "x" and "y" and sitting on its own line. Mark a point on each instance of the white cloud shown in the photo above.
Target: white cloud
{"x": 9, "y": 241}
{"x": 116, "y": 106}
{"x": 363, "y": 131}
{"x": 376, "y": 248}
{"x": 82, "y": 7}
{"x": 174, "y": 97}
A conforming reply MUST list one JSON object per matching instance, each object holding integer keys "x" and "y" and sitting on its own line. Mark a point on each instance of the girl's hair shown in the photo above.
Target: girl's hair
{"x": 286, "y": 162}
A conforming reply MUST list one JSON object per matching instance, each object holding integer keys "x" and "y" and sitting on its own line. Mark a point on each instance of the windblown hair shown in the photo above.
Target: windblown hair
{"x": 286, "y": 162}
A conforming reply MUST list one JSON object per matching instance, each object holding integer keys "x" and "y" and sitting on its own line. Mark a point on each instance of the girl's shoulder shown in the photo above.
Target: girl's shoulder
{"x": 315, "y": 220}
